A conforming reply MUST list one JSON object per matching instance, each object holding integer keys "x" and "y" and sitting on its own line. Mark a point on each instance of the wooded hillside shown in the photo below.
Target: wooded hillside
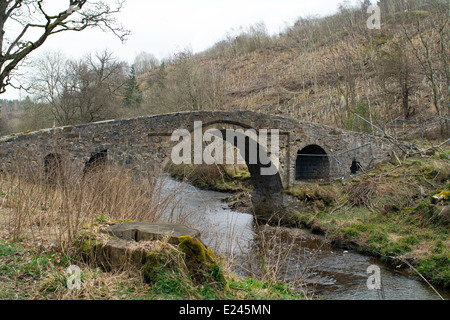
{"x": 321, "y": 69}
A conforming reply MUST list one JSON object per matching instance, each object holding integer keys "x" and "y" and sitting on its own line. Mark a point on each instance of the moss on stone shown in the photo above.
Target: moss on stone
{"x": 152, "y": 267}
{"x": 123, "y": 220}
{"x": 202, "y": 261}
{"x": 209, "y": 254}
{"x": 89, "y": 248}
{"x": 195, "y": 251}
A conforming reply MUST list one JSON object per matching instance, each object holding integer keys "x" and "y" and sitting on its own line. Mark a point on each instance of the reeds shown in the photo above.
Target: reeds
{"x": 52, "y": 206}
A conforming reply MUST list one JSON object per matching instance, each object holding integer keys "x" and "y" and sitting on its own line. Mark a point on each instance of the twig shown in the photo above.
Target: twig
{"x": 432, "y": 148}
{"x": 430, "y": 183}
{"x": 344, "y": 202}
{"x": 399, "y": 162}
{"x": 421, "y": 277}
{"x": 3, "y": 201}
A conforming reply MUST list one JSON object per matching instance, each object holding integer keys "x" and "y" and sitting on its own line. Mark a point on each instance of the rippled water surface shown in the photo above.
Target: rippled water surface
{"x": 325, "y": 271}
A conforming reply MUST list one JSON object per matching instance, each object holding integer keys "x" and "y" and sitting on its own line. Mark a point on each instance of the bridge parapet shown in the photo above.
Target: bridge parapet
{"x": 147, "y": 140}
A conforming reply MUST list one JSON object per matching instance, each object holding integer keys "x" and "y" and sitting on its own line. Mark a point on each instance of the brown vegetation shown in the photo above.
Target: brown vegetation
{"x": 320, "y": 69}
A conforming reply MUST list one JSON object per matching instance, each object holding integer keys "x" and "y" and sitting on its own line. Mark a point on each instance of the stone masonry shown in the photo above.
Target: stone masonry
{"x": 145, "y": 142}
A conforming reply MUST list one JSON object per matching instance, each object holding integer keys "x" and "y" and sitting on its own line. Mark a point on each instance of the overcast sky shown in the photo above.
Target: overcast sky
{"x": 162, "y": 27}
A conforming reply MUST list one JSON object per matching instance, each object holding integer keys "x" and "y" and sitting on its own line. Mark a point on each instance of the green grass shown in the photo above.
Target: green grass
{"x": 22, "y": 268}
{"x": 26, "y": 273}
{"x": 387, "y": 213}
{"x": 390, "y": 238}
{"x": 436, "y": 266}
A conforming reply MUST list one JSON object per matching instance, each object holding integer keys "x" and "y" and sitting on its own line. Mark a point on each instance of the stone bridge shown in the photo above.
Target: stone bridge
{"x": 308, "y": 153}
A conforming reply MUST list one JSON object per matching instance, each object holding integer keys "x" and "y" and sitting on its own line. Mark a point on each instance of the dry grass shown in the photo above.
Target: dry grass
{"x": 271, "y": 258}
{"x": 368, "y": 192}
{"x": 43, "y": 221}
{"x": 54, "y": 211}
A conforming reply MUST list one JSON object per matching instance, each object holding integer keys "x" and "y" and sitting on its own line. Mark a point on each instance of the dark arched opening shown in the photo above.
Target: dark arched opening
{"x": 97, "y": 161}
{"x": 312, "y": 164}
{"x": 256, "y": 159}
{"x": 53, "y": 167}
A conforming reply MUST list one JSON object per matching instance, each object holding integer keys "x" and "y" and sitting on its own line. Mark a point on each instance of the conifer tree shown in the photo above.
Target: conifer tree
{"x": 133, "y": 95}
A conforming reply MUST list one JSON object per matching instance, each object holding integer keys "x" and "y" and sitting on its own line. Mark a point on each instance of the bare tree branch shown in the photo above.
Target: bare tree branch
{"x": 33, "y": 15}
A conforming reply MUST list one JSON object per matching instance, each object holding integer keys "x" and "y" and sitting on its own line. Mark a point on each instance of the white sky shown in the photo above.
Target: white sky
{"x": 162, "y": 27}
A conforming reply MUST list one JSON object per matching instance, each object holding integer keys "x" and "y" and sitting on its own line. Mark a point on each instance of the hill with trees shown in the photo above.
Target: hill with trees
{"x": 321, "y": 69}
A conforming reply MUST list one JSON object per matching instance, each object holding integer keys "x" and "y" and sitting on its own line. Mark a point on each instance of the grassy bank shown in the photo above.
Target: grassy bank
{"x": 28, "y": 272}
{"x": 42, "y": 223}
{"x": 224, "y": 178}
{"x": 388, "y": 213}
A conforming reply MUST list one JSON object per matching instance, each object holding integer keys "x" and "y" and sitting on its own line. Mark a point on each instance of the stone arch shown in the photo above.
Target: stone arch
{"x": 97, "y": 161}
{"x": 263, "y": 182}
{"x": 53, "y": 166}
{"x": 256, "y": 161}
{"x": 312, "y": 164}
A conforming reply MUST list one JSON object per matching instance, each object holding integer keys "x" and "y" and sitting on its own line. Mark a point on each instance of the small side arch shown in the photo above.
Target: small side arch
{"x": 312, "y": 164}
{"x": 97, "y": 161}
{"x": 53, "y": 167}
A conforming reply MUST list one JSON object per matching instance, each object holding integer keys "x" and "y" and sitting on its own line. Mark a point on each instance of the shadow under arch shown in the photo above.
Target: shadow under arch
{"x": 264, "y": 175}
{"x": 53, "y": 167}
{"x": 97, "y": 161}
{"x": 312, "y": 164}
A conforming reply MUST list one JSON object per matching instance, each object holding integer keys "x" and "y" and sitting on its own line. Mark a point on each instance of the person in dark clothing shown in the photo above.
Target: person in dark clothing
{"x": 355, "y": 167}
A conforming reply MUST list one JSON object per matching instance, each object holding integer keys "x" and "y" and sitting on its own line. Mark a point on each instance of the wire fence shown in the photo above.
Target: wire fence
{"x": 327, "y": 168}
{"x": 401, "y": 129}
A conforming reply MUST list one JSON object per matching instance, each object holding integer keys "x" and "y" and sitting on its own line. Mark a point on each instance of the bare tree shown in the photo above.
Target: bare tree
{"x": 195, "y": 85}
{"x": 400, "y": 68}
{"x": 428, "y": 38}
{"x": 144, "y": 62}
{"x": 80, "y": 91}
{"x": 98, "y": 81}
{"x": 52, "y": 84}
{"x": 22, "y": 20}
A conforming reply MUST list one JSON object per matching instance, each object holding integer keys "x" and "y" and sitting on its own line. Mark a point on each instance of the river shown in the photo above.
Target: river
{"x": 306, "y": 260}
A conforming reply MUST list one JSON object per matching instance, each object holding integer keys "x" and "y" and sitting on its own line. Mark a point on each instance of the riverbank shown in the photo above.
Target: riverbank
{"x": 41, "y": 225}
{"x": 28, "y": 272}
{"x": 387, "y": 213}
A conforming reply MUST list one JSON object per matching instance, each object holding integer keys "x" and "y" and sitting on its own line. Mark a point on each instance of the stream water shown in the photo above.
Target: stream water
{"x": 321, "y": 270}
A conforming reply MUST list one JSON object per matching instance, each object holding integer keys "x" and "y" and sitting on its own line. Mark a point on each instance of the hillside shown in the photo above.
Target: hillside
{"x": 332, "y": 70}
{"x": 319, "y": 70}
